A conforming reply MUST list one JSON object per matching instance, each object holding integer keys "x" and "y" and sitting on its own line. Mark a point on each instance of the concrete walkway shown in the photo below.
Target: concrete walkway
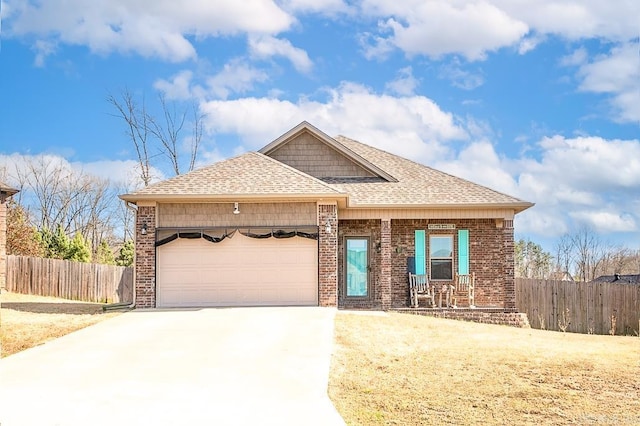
{"x": 236, "y": 366}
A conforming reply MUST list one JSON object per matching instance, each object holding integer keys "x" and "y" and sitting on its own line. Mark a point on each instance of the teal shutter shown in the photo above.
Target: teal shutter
{"x": 463, "y": 251}
{"x": 420, "y": 252}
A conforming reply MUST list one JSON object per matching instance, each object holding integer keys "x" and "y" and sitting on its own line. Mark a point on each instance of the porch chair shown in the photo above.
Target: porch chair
{"x": 419, "y": 287}
{"x": 465, "y": 284}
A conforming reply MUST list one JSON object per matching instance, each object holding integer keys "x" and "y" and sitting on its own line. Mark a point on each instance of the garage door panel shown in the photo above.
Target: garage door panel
{"x": 238, "y": 271}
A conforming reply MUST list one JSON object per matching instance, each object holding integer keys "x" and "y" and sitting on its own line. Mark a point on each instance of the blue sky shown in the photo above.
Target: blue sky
{"x": 536, "y": 98}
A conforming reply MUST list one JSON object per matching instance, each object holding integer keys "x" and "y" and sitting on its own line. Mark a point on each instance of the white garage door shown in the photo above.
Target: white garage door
{"x": 239, "y": 271}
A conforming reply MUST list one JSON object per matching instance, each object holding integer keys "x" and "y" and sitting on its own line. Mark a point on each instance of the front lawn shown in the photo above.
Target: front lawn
{"x": 27, "y": 320}
{"x": 400, "y": 369}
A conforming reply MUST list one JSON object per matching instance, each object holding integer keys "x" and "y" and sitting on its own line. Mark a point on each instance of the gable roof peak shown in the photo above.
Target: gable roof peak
{"x": 305, "y": 126}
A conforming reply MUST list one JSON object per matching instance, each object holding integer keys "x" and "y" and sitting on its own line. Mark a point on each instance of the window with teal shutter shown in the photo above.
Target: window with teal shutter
{"x": 463, "y": 251}
{"x": 420, "y": 252}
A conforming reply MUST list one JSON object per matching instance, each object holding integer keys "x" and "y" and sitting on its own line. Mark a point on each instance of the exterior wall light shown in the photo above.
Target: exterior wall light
{"x": 236, "y": 209}
{"x": 327, "y": 227}
{"x": 143, "y": 230}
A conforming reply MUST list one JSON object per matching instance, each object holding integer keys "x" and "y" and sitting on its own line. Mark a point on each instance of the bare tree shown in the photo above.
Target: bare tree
{"x": 564, "y": 254}
{"x": 618, "y": 260}
{"x": 196, "y": 135}
{"x": 589, "y": 252}
{"x": 124, "y": 217}
{"x": 138, "y": 129}
{"x": 59, "y": 196}
{"x": 167, "y": 133}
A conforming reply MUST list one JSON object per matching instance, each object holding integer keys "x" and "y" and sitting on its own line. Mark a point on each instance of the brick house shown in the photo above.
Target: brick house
{"x": 315, "y": 220}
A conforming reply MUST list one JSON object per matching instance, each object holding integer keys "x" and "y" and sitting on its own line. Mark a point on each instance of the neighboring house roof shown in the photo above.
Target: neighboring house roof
{"x": 561, "y": 276}
{"x": 417, "y": 185}
{"x": 618, "y": 278}
{"x": 6, "y": 190}
{"x": 248, "y": 175}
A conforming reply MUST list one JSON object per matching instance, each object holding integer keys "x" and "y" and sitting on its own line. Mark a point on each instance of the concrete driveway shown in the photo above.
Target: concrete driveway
{"x": 236, "y": 366}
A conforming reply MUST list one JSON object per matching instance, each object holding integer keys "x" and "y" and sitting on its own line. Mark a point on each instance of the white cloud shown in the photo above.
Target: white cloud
{"x": 529, "y": 43}
{"x": 472, "y": 28}
{"x": 617, "y": 74}
{"x": 576, "y": 19}
{"x": 585, "y": 180}
{"x": 325, "y": 7}
{"x": 405, "y": 83}
{"x": 592, "y": 163}
{"x": 120, "y": 173}
{"x": 374, "y": 46}
{"x": 178, "y": 87}
{"x": 459, "y": 77}
{"x": 413, "y": 126}
{"x": 607, "y": 221}
{"x": 480, "y": 163}
{"x": 576, "y": 58}
{"x": 157, "y": 28}
{"x": 265, "y": 47}
{"x": 237, "y": 76}
{"x": 43, "y": 49}
{"x": 434, "y": 28}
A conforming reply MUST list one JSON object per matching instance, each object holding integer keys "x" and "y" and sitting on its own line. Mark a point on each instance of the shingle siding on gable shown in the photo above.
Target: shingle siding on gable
{"x": 181, "y": 215}
{"x": 309, "y": 155}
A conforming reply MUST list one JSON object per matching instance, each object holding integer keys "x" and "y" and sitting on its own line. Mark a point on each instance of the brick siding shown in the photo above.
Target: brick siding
{"x": 328, "y": 255}
{"x": 512, "y": 319}
{"x": 145, "y": 258}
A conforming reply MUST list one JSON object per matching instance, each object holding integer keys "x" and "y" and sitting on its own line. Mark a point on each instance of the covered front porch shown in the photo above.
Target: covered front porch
{"x": 464, "y": 264}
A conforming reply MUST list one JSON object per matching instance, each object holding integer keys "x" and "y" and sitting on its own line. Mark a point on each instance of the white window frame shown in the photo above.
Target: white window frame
{"x": 451, "y": 238}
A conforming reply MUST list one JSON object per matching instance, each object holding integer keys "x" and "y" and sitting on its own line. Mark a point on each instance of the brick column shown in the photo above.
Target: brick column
{"x": 509, "y": 269}
{"x": 145, "y": 285}
{"x": 328, "y": 255}
{"x": 385, "y": 263}
{"x": 3, "y": 241}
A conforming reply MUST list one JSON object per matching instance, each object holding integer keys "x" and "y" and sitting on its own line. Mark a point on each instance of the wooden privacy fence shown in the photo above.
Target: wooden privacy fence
{"x": 89, "y": 282}
{"x": 595, "y": 308}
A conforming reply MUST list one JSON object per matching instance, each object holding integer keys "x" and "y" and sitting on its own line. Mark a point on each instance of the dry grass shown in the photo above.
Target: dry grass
{"x": 27, "y": 321}
{"x": 412, "y": 370}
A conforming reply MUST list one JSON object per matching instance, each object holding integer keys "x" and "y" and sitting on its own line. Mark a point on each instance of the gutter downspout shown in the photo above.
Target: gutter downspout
{"x": 125, "y": 305}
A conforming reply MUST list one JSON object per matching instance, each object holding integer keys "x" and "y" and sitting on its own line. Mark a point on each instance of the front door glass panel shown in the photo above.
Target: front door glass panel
{"x": 357, "y": 267}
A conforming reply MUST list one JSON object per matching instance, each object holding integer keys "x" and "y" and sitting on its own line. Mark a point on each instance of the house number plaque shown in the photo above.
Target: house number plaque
{"x": 442, "y": 226}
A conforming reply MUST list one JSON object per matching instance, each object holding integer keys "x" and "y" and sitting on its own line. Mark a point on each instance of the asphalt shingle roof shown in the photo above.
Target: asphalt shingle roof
{"x": 417, "y": 185}
{"x": 619, "y": 278}
{"x": 254, "y": 174}
{"x": 251, "y": 173}
{"x": 7, "y": 189}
